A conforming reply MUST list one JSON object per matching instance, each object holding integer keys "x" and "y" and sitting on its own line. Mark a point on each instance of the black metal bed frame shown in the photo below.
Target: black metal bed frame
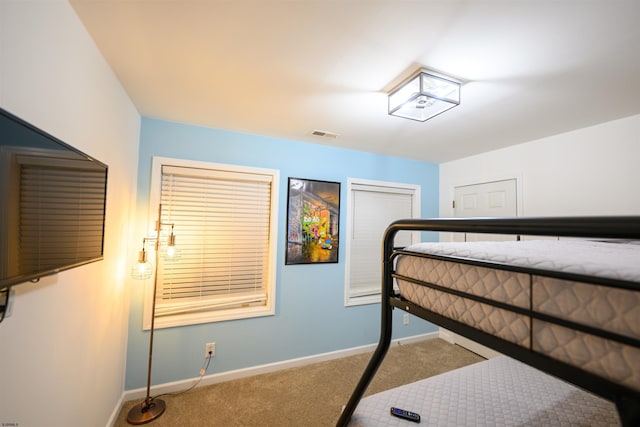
{"x": 626, "y": 399}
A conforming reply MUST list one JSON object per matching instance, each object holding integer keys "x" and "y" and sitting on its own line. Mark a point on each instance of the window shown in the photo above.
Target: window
{"x": 224, "y": 218}
{"x": 371, "y": 207}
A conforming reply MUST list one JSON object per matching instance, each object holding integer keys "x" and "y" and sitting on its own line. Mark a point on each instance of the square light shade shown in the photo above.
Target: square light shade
{"x": 423, "y": 96}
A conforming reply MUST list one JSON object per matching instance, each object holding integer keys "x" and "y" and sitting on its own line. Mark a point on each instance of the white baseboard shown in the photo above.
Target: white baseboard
{"x": 470, "y": 345}
{"x": 116, "y": 411}
{"x": 447, "y": 335}
{"x": 263, "y": 369}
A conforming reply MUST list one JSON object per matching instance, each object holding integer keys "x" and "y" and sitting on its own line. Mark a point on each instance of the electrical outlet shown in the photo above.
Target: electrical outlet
{"x": 405, "y": 319}
{"x": 210, "y": 349}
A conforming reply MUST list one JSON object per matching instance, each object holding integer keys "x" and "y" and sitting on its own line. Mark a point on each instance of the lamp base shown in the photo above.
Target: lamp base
{"x": 146, "y": 412}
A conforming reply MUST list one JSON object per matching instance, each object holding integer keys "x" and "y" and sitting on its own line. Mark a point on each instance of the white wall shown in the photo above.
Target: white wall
{"x": 62, "y": 352}
{"x": 590, "y": 171}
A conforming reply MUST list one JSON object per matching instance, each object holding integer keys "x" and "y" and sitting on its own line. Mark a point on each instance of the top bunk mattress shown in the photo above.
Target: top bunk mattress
{"x": 601, "y": 291}
{"x": 618, "y": 260}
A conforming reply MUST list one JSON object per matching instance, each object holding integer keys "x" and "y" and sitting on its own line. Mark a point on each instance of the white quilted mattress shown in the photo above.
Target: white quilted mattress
{"x": 611, "y": 309}
{"x": 496, "y": 392}
{"x": 620, "y": 261}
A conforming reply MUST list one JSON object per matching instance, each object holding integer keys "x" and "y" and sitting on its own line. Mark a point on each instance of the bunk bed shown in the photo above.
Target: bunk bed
{"x": 568, "y": 306}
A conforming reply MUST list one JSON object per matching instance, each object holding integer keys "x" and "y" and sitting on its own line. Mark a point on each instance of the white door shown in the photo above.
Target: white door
{"x": 488, "y": 199}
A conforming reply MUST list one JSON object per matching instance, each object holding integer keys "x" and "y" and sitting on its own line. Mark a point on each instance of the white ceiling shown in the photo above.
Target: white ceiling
{"x": 284, "y": 68}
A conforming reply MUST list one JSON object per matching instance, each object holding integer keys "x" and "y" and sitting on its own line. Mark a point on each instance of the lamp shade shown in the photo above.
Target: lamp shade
{"x": 143, "y": 268}
{"x": 423, "y": 96}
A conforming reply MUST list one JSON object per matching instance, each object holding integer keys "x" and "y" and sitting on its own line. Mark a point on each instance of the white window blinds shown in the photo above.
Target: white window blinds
{"x": 222, "y": 223}
{"x": 373, "y": 208}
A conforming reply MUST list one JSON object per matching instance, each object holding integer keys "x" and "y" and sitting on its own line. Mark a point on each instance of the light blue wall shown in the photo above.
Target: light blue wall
{"x": 310, "y": 314}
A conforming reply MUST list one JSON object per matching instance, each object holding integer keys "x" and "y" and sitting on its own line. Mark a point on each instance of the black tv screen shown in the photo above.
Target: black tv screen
{"x": 52, "y": 204}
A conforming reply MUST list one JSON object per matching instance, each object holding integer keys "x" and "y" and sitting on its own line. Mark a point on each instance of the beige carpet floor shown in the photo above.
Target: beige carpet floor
{"x": 311, "y": 395}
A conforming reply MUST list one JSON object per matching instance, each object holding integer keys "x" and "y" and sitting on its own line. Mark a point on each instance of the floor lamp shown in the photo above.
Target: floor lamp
{"x": 151, "y": 408}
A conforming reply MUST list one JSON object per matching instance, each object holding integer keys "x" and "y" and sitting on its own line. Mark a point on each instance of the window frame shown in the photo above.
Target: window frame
{"x": 185, "y": 319}
{"x": 415, "y": 191}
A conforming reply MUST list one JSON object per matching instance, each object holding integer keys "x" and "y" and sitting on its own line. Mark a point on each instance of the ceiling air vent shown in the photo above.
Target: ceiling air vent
{"x": 324, "y": 134}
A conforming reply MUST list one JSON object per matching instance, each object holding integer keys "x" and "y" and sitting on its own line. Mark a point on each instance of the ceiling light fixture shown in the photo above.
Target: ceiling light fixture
{"x": 424, "y": 95}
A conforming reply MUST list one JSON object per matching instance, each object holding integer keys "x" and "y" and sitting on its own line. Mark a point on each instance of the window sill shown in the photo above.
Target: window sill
{"x": 363, "y": 300}
{"x": 209, "y": 317}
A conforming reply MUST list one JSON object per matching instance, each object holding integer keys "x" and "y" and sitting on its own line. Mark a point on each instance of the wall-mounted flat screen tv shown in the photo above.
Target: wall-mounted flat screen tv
{"x": 52, "y": 204}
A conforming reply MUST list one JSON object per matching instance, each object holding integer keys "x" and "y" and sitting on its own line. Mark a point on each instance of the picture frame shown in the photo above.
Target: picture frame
{"x": 313, "y": 221}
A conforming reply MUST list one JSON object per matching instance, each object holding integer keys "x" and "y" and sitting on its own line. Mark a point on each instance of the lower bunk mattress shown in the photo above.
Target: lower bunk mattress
{"x": 499, "y": 391}
{"x": 597, "y": 301}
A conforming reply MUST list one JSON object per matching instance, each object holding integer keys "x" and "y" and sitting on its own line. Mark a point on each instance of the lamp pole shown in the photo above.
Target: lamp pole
{"x": 151, "y": 408}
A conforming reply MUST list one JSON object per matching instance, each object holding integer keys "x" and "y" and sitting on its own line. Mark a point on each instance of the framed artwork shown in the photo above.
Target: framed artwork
{"x": 313, "y": 221}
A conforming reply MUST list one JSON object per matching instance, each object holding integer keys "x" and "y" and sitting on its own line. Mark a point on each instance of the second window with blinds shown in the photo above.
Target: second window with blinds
{"x": 225, "y": 220}
{"x": 371, "y": 207}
